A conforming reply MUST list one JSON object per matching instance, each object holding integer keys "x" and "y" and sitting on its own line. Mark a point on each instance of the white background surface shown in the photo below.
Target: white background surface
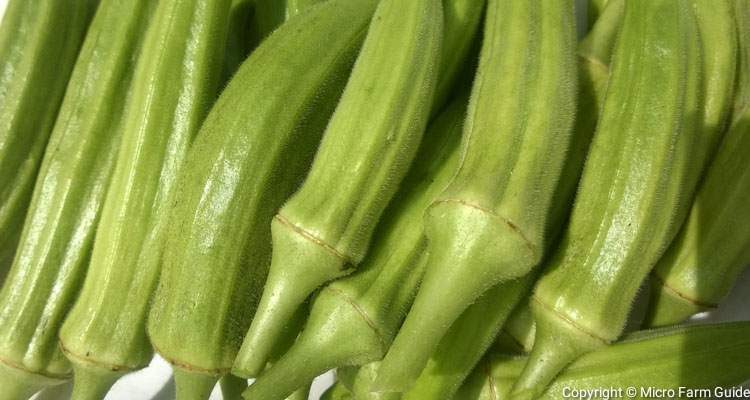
{"x": 155, "y": 381}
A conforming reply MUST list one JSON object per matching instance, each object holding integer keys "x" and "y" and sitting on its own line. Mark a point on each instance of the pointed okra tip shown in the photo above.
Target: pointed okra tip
{"x": 299, "y": 265}
{"x": 558, "y": 342}
{"x": 92, "y": 382}
{"x": 192, "y": 385}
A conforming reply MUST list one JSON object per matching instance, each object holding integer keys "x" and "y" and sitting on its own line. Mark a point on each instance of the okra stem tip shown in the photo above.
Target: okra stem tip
{"x": 92, "y": 382}
{"x": 558, "y": 342}
{"x": 192, "y": 385}
{"x": 16, "y": 389}
{"x": 299, "y": 265}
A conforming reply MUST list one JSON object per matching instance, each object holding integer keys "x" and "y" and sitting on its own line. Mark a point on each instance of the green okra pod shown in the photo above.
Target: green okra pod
{"x": 713, "y": 247}
{"x": 253, "y": 151}
{"x": 324, "y": 230}
{"x": 175, "y": 83}
{"x": 353, "y": 320}
{"x": 58, "y": 234}
{"x": 39, "y": 43}
{"x": 704, "y": 359}
{"x": 489, "y": 224}
{"x": 631, "y": 194}
{"x": 470, "y": 336}
{"x": 337, "y": 392}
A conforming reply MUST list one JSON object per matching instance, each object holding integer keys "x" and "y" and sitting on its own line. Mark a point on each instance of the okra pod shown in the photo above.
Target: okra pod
{"x": 66, "y": 206}
{"x": 699, "y": 359}
{"x": 324, "y": 230}
{"x": 353, "y": 320}
{"x": 39, "y": 43}
{"x": 251, "y": 154}
{"x": 713, "y": 246}
{"x": 176, "y": 81}
{"x": 631, "y": 194}
{"x": 489, "y": 225}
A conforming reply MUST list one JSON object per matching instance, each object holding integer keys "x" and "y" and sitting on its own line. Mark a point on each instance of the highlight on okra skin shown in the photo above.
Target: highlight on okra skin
{"x": 429, "y": 199}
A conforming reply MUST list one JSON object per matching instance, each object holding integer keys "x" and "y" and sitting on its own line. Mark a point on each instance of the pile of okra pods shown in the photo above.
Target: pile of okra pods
{"x": 437, "y": 199}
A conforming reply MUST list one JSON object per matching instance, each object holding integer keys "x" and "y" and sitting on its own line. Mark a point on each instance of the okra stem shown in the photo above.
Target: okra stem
{"x": 193, "y": 385}
{"x": 92, "y": 382}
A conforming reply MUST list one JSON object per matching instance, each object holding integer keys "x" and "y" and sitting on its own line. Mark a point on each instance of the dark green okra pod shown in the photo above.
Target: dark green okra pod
{"x": 703, "y": 357}
{"x": 39, "y": 43}
{"x": 489, "y": 224}
{"x": 251, "y": 154}
{"x": 68, "y": 196}
{"x": 631, "y": 193}
{"x": 175, "y": 83}
{"x": 353, "y": 320}
{"x": 713, "y": 247}
{"x": 324, "y": 230}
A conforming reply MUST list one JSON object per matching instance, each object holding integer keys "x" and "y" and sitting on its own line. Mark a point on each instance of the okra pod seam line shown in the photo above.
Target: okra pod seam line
{"x": 314, "y": 239}
{"x": 681, "y": 295}
{"x": 514, "y": 228}
{"x": 21, "y": 368}
{"x": 362, "y": 313}
{"x": 192, "y": 368}
{"x": 85, "y": 360}
{"x": 572, "y": 323}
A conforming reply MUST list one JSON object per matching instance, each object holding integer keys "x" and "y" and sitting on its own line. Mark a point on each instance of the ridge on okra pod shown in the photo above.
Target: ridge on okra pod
{"x": 175, "y": 81}
{"x": 489, "y": 224}
{"x": 324, "y": 229}
{"x": 353, "y": 320}
{"x": 39, "y": 42}
{"x": 701, "y": 357}
{"x": 634, "y": 192}
{"x": 66, "y": 206}
{"x": 713, "y": 246}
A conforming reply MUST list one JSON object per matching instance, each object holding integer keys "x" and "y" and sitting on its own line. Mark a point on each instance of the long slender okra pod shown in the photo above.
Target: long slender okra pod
{"x": 324, "y": 230}
{"x": 39, "y": 42}
{"x": 713, "y": 246}
{"x": 68, "y": 196}
{"x": 353, "y": 320}
{"x": 489, "y": 224}
{"x": 176, "y": 80}
{"x": 631, "y": 192}
{"x": 251, "y": 154}
{"x": 240, "y": 38}
{"x": 470, "y": 336}
{"x": 699, "y": 359}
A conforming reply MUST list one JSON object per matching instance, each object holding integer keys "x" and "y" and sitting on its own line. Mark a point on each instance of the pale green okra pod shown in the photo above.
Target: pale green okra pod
{"x": 631, "y": 194}
{"x": 175, "y": 83}
{"x": 489, "y": 225}
{"x": 253, "y": 151}
{"x": 65, "y": 209}
{"x": 324, "y": 230}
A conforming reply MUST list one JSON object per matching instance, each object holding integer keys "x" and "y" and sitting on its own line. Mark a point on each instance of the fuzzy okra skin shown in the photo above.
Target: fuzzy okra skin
{"x": 469, "y": 337}
{"x": 353, "y": 320}
{"x": 252, "y": 153}
{"x": 489, "y": 224}
{"x": 695, "y": 357}
{"x": 631, "y": 192}
{"x": 713, "y": 247}
{"x": 324, "y": 230}
{"x": 58, "y": 234}
{"x": 39, "y": 43}
{"x": 176, "y": 80}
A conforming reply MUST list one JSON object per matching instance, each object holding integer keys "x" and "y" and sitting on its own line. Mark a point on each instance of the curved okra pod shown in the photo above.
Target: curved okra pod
{"x": 176, "y": 80}
{"x": 713, "y": 247}
{"x": 702, "y": 357}
{"x": 489, "y": 225}
{"x": 324, "y": 230}
{"x": 631, "y": 193}
{"x": 251, "y": 154}
{"x": 353, "y": 320}
{"x": 68, "y": 197}
{"x": 39, "y": 43}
